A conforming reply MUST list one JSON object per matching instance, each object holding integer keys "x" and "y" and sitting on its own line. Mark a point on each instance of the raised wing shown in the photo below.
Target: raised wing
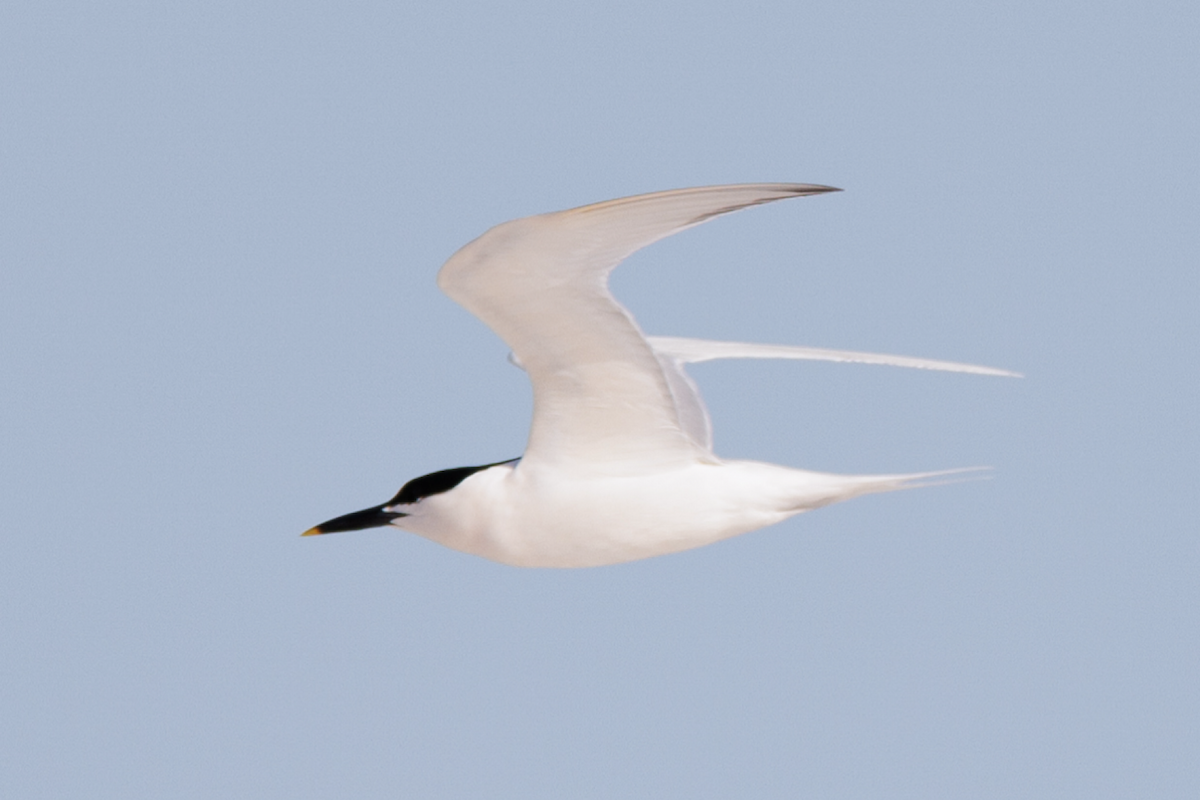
{"x": 601, "y": 401}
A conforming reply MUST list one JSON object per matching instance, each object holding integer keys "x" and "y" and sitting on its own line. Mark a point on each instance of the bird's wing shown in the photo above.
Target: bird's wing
{"x": 692, "y": 351}
{"x": 601, "y": 401}
{"x": 689, "y": 403}
{"x": 685, "y": 394}
{"x": 675, "y": 351}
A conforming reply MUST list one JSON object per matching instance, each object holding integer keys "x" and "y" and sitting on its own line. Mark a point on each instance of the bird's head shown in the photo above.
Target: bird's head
{"x": 406, "y": 503}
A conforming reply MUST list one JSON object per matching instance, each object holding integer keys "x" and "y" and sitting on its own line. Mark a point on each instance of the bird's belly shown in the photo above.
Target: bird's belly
{"x": 613, "y": 520}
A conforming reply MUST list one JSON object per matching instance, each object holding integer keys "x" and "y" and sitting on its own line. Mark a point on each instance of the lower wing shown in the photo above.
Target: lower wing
{"x": 674, "y": 352}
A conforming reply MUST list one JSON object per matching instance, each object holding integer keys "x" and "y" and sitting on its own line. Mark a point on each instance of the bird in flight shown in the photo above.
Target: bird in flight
{"x": 619, "y": 465}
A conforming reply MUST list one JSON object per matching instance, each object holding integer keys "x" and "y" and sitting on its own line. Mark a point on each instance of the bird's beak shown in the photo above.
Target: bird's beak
{"x": 367, "y": 518}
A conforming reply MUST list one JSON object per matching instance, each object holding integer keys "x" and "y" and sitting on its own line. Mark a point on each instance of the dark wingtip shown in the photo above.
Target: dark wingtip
{"x": 815, "y": 188}
{"x": 783, "y": 191}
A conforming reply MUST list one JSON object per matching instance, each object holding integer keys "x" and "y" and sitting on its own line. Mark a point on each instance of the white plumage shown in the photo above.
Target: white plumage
{"x": 619, "y": 464}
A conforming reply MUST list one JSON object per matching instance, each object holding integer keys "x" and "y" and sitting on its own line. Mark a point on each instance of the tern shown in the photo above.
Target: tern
{"x": 619, "y": 464}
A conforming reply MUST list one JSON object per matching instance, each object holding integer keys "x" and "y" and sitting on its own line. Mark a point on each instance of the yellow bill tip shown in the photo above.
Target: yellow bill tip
{"x": 313, "y": 531}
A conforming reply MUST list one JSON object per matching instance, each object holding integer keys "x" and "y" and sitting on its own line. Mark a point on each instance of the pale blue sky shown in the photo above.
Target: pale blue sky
{"x": 219, "y": 326}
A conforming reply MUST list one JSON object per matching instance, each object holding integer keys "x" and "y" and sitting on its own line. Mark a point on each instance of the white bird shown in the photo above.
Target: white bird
{"x": 619, "y": 464}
